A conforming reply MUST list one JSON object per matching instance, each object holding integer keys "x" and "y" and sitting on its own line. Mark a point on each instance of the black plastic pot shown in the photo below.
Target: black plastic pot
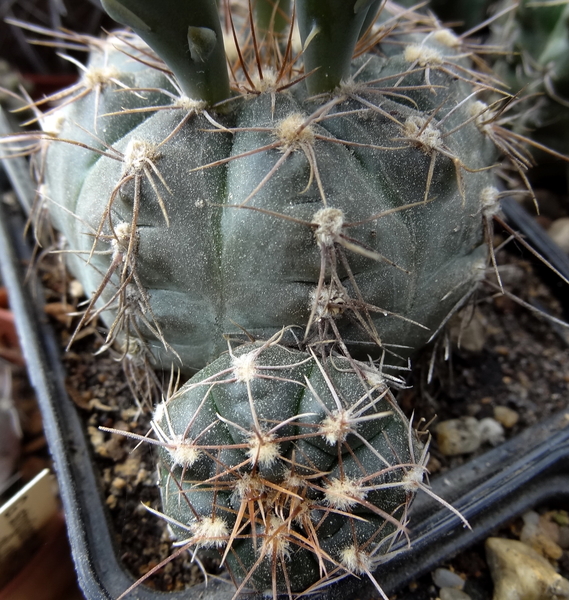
{"x": 528, "y": 470}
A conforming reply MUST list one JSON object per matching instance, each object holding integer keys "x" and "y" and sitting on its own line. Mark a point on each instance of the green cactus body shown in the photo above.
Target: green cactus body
{"x": 536, "y": 63}
{"x": 295, "y": 470}
{"x": 355, "y": 214}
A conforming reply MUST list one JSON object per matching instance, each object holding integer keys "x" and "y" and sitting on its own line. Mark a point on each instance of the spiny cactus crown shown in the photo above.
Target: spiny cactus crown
{"x": 345, "y": 198}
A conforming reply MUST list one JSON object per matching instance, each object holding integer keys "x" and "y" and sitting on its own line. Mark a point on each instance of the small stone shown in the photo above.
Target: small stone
{"x": 559, "y": 233}
{"x": 118, "y": 483}
{"x": 502, "y": 350}
{"x": 549, "y": 527}
{"x": 129, "y": 468}
{"x": 458, "y": 436}
{"x": 491, "y": 431}
{"x": 520, "y": 573}
{"x": 531, "y": 525}
{"x": 448, "y": 593}
{"x": 444, "y": 578}
{"x": 508, "y": 417}
{"x": 470, "y": 335}
{"x": 564, "y": 537}
{"x": 545, "y": 546}
{"x": 561, "y": 517}
{"x": 541, "y": 534}
{"x": 97, "y": 438}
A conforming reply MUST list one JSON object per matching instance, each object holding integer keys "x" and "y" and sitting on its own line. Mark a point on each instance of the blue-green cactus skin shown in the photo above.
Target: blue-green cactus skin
{"x": 189, "y": 224}
{"x": 291, "y": 466}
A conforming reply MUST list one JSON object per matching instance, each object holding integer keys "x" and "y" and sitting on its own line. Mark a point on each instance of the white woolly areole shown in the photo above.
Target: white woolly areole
{"x": 211, "y": 532}
{"x": 336, "y": 427}
{"x": 425, "y": 56}
{"x": 446, "y": 37}
{"x": 249, "y": 486}
{"x": 413, "y": 479}
{"x": 100, "y": 76}
{"x": 267, "y": 84}
{"x": 53, "y": 123}
{"x": 120, "y": 243}
{"x": 263, "y": 450}
{"x": 351, "y": 86}
{"x": 293, "y": 481}
{"x": 489, "y": 198}
{"x": 343, "y": 493}
{"x": 159, "y": 412}
{"x": 479, "y": 269}
{"x": 330, "y": 303}
{"x": 480, "y": 110}
{"x": 424, "y": 134}
{"x": 189, "y": 104}
{"x": 374, "y": 378}
{"x": 356, "y": 561}
{"x": 183, "y": 452}
{"x": 133, "y": 347}
{"x": 278, "y": 541}
{"x": 43, "y": 193}
{"x": 291, "y": 131}
{"x": 330, "y": 222}
{"x": 137, "y": 155}
{"x": 245, "y": 367}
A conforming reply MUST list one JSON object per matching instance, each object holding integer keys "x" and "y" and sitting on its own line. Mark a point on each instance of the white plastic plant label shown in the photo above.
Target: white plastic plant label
{"x": 25, "y": 514}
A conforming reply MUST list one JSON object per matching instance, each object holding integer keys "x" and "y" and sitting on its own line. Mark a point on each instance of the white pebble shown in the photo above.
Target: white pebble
{"x": 453, "y": 594}
{"x": 531, "y": 525}
{"x": 444, "y": 578}
{"x": 559, "y": 233}
{"x": 491, "y": 431}
{"x": 458, "y": 436}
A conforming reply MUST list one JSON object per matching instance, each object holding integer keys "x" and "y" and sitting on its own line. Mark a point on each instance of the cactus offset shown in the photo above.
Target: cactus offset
{"x": 297, "y": 471}
{"x": 534, "y": 63}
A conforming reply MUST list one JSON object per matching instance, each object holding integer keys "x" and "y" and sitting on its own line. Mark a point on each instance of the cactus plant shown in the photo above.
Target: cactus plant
{"x": 535, "y": 39}
{"x": 296, "y": 470}
{"x": 345, "y": 198}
